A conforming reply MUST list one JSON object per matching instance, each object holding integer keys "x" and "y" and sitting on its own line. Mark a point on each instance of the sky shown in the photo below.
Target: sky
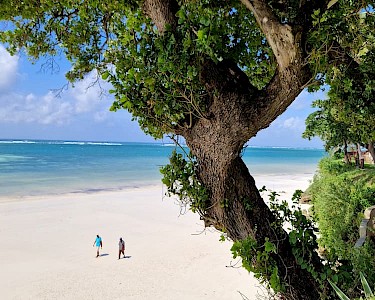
{"x": 31, "y": 108}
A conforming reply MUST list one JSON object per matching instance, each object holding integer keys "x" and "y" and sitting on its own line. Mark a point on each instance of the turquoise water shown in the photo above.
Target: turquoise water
{"x": 54, "y": 167}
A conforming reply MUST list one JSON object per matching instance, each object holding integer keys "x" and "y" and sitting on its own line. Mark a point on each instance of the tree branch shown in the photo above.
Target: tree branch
{"x": 162, "y": 13}
{"x": 280, "y": 93}
{"x": 283, "y": 41}
{"x": 292, "y": 74}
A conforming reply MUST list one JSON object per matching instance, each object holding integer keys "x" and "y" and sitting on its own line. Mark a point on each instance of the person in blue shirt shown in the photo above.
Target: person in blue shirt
{"x": 98, "y": 243}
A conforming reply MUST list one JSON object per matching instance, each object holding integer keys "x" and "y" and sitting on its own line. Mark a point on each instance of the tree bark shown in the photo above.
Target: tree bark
{"x": 217, "y": 143}
{"x": 371, "y": 149}
{"x": 346, "y": 155}
{"x": 162, "y": 13}
{"x": 237, "y": 111}
{"x": 232, "y": 183}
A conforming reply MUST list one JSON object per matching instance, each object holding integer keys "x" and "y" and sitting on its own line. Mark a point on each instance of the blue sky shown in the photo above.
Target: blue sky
{"x": 29, "y": 109}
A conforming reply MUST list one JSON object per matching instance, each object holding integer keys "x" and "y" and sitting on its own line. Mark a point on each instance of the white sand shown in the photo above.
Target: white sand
{"x": 46, "y": 248}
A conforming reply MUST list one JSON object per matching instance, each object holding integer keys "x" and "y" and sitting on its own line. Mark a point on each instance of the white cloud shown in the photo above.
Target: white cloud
{"x": 87, "y": 94}
{"x": 293, "y": 123}
{"x": 48, "y": 109}
{"x": 83, "y": 99}
{"x": 8, "y": 67}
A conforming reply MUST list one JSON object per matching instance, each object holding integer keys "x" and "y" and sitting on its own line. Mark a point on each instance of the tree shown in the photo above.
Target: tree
{"x": 350, "y": 100}
{"x": 323, "y": 124}
{"x": 214, "y": 72}
{"x": 347, "y": 115}
{"x": 336, "y": 131}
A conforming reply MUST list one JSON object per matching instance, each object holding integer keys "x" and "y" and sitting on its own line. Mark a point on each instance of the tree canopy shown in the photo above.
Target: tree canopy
{"x": 322, "y": 123}
{"x": 347, "y": 115}
{"x": 156, "y": 76}
{"x": 214, "y": 72}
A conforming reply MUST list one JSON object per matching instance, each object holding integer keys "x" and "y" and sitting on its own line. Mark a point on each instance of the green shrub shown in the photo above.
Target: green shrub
{"x": 340, "y": 194}
{"x": 333, "y": 166}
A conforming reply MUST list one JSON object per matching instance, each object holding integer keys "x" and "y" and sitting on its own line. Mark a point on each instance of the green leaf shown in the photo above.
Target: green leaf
{"x": 331, "y": 3}
{"x": 105, "y": 75}
{"x": 181, "y": 16}
{"x": 201, "y": 34}
{"x": 363, "y": 51}
{"x": 150, "y": 81}
{"x": 269, "y": 247}
{"x": 335, "y": 278}
{"x": 366, "y": 287}
{"x": 292, "y": 237}
{"x": 204, "y": 21}
{"x": 339, "y": 292}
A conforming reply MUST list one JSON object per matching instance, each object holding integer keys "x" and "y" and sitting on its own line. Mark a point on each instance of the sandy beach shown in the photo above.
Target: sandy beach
{"x": 47, "y": 250}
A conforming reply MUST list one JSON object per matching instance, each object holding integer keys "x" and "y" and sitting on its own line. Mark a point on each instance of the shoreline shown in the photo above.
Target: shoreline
{"x": 273, "y": 182}
{"x": 48, "y": 253}
{"x": 78, "y": 193}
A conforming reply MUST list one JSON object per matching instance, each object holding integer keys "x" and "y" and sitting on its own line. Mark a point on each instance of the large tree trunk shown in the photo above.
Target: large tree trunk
{"x": 217, "y": 144}
{"x": 237, "y": 208}
{"x": 236, "y": 112}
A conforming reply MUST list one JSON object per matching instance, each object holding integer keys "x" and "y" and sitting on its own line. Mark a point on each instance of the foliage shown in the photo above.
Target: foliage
{"x": 328, "y": 166}
{"x": 155, "y": 77}
{"x": 256, "y": 259}
{"x": 340, "y": 195}
{"x": 302, "y": 237}
{"x": 301, "y": 231}
{"x": 322, "y": 123}
{"x": 351, "y": 99}
{"x": 344, "y": 25}
{"x": 366, "y": 288}
{"x": 347, "y": 114}
{"x": 180, "y": 178}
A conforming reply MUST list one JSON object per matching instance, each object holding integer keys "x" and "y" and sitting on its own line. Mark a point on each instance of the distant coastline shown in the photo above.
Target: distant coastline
{"x": 45, "y": 167}
{"x": 119, "y": 143}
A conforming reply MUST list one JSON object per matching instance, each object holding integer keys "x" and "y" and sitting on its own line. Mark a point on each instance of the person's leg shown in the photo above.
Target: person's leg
{"x": 97, "y": 252}
{"x": 119, "y": 253}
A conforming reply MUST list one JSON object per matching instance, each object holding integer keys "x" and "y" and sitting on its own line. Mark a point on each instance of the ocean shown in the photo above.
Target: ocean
{"x": 35, "y": 167}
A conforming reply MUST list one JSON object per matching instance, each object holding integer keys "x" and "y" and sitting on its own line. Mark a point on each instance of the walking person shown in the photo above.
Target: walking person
{"x": 98, "y": 243}
{"x": 121, "y": 248}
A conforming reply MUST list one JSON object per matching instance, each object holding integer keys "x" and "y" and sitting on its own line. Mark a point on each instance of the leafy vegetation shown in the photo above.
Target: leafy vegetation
{"x": 217, "y": 72}
{"x": 340, "y": 194}
{"x": 328, "y": 123}
{"x": 346, "y": 116}
{"x": 366, "y": 288}
{"x": 180, "y": 178}
{"x": 302, "y": 234}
